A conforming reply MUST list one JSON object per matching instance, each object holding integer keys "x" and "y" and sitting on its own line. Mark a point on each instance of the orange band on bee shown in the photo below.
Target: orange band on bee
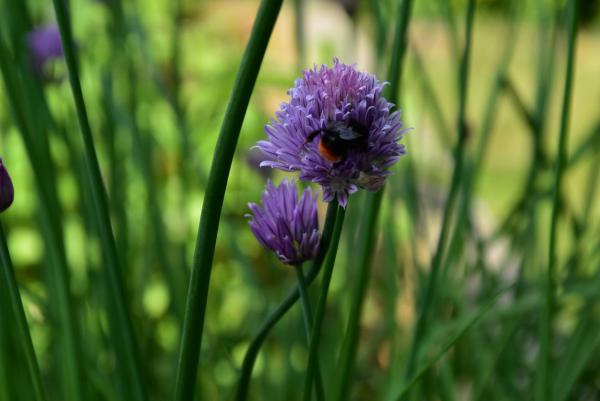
{"x": 327, "y": 154}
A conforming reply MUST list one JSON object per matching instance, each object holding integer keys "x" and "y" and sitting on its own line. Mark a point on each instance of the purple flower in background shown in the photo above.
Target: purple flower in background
{"x": 337, "y": 130}
{"x": 7, "y": 191}
{"x": 44, "y": 46}
{"x": 285, "y": 224}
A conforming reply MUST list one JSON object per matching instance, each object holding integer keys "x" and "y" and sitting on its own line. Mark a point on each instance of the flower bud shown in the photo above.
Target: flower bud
{"x": 285, "y": 224}
{"x": 7, "y": 192}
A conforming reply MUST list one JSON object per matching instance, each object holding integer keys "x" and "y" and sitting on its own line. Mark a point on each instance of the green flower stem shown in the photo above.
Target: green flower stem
{"x": 193, "y": 324}
{"x": 312, "y": 368}
{"x": 365, "y": 252}
{"x": 369, "y": 223}
{"x": 8, "y": 275}
{"x": 284, "y": 307}
{"x": 561, "y": 158}
{"x": 429, "y": 292}
{"x": 127, "y": 354}
{"x": 307, "y": 313}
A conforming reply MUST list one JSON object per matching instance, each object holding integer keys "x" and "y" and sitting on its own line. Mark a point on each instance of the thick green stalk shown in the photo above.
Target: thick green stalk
{"x": 8, "y": 275}
{"x": 561, "y": 158}
{"x": 365, "y": 253}
{"x": 193, "y": 325}
{"x": 308, "y": 327}
{"x": 369, "y": 223}
{"x": 127, "y": 353}
{"x": 284, "y": 307}
{"x": 312, "y": 368}
{"x": 429, "y": 292}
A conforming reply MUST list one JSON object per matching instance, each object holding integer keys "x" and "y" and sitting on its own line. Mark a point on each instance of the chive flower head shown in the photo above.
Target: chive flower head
{"x": 337, "y": 130}
{"x": 286, "y": 224}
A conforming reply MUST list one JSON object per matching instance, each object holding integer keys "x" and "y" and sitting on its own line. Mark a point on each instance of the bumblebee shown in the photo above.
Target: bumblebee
{"x": 337, "y": 138}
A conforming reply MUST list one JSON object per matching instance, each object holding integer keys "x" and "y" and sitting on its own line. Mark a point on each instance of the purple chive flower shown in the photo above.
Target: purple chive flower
{"x": 348, "y": 102}
{"x": 287, "y": 226}
{"x": 44, "y": 46}
{"x": 7, "y": 191}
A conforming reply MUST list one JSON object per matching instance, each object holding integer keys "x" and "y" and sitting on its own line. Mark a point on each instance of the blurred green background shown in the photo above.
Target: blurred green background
{"x": 157, "y": 76}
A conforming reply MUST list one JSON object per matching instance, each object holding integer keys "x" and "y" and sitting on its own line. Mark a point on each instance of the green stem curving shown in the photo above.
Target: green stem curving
{"x": 308, "y": 326}
{"x": 191, "y": 340}
{"x": 312, "y": 368}
{"x": 284, "y": 307}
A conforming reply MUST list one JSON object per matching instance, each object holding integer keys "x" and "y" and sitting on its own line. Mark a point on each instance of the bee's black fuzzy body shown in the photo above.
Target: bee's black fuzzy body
{"x": 339, "y": 137}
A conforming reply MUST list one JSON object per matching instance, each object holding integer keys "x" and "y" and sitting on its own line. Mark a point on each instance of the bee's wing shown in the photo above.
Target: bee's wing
{"x": 348, "y": 134}
{"x": 344, "y": 132}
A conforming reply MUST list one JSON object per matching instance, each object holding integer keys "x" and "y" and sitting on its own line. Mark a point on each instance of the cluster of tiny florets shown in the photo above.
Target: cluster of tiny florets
{"x": 339, "y": 94}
